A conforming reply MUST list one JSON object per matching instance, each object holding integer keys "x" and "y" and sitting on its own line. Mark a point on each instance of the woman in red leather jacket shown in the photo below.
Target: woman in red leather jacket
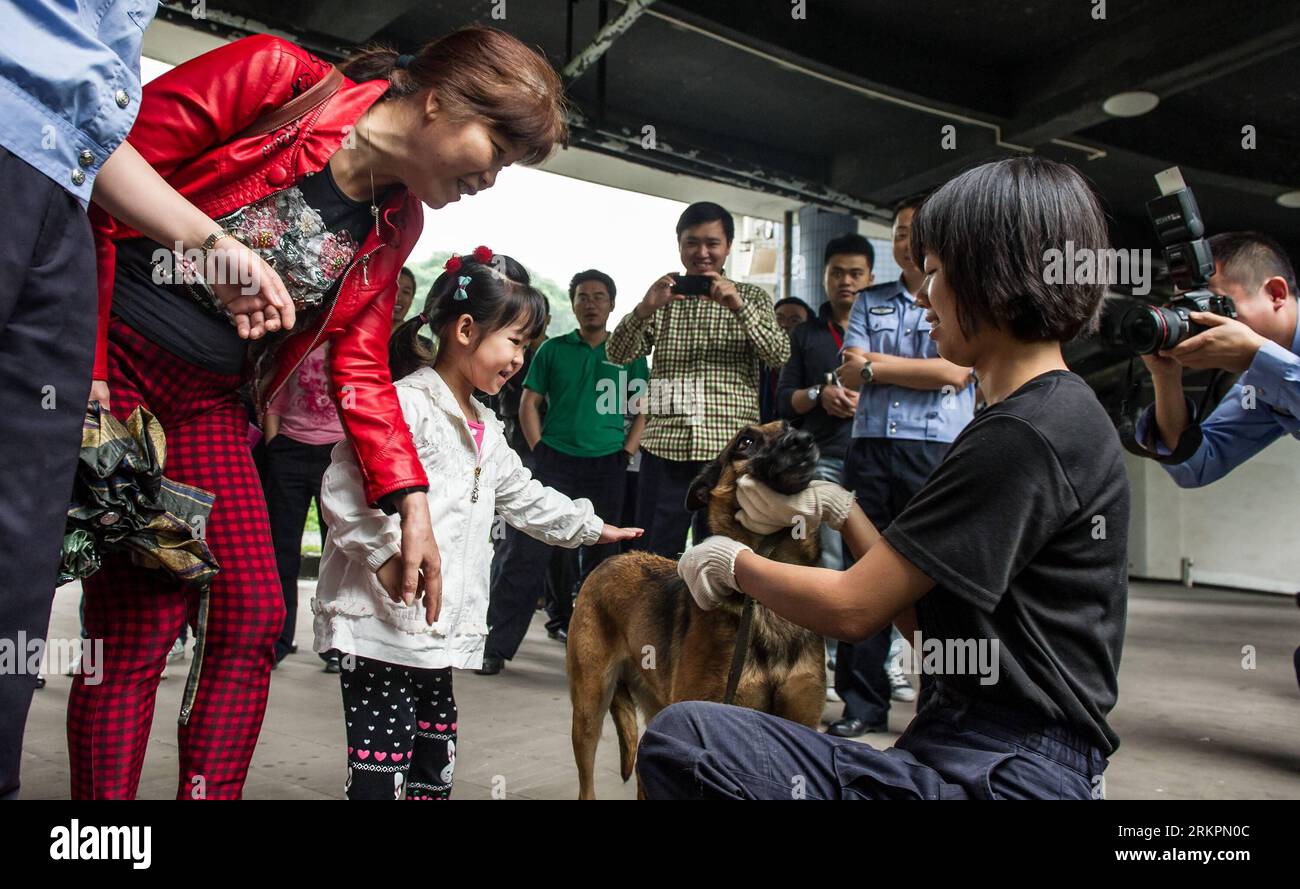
{"x": 331, "y": 201}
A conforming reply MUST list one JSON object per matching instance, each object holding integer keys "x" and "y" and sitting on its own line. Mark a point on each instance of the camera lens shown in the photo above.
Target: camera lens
{"x": 1150, "y": 329}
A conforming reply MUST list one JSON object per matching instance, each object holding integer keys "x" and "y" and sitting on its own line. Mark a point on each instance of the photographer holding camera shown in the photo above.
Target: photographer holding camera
{"x": 1252, "y": 269}
{"x": 1261, "y": 344}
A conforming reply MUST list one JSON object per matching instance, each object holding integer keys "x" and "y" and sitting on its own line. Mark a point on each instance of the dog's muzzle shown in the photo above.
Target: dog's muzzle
{"x": 788, "y": 463}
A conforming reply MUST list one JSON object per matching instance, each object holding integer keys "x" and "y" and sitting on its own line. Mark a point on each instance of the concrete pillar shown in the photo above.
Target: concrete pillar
{"x": 816, "y": 228}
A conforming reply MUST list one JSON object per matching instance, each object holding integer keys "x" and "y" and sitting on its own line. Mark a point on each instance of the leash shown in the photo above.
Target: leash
{"x": 740, "y": 653}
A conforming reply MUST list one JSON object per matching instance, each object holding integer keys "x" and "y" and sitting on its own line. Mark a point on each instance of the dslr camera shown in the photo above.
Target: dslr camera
{"x": 1145, "y": 329}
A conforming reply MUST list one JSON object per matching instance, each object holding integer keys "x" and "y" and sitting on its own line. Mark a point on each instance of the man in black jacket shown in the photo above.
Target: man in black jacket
{"x": 808, "y": 394}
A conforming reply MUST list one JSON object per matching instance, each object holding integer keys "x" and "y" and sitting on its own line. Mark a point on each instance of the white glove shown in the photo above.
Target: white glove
{"x": 709, "y": 569}
{"x": 764, "y": 511}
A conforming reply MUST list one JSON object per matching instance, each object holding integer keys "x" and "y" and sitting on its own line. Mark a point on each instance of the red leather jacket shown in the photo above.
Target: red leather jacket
{"x": 186, "y": 129}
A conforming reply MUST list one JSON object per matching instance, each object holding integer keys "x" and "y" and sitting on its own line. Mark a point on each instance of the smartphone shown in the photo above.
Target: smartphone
{"x": 692, "y": 285}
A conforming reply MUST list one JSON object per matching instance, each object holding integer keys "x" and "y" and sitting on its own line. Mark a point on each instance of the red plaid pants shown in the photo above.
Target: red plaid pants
{"x": 138, "y": 613}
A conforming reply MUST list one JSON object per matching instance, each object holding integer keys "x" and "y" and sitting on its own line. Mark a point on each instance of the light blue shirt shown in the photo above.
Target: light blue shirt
{"x": 886, "y": 318}
{"x": 70, "y": 83}
{"x": 1257, "y": 411}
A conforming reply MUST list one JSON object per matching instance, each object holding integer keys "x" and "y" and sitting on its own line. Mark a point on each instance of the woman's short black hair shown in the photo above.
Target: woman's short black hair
{"x": 706, "y": 211}
{"x": 992, "y": 227}
{"x": 497, "y": 295}
{"x": 593, "y": 275}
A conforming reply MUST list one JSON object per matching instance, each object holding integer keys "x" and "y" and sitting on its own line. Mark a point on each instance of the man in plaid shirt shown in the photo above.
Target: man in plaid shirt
{"x": 704, "y": 372}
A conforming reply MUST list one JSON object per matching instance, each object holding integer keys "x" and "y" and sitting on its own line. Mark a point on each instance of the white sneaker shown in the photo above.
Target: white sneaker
{"x": 899, "y": 688}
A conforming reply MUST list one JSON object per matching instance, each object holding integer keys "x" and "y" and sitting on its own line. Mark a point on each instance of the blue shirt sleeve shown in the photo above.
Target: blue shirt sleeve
{"x": 1275, "y": 374}
{"x": 1239, "y": 428}
{"x": 70, "y": 83}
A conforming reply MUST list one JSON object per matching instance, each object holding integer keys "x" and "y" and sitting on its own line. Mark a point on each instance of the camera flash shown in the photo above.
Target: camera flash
{"x": 1170, "y": 181}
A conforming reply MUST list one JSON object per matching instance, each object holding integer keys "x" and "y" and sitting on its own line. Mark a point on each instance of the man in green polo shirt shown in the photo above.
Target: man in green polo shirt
{"x": 580, "y": 449}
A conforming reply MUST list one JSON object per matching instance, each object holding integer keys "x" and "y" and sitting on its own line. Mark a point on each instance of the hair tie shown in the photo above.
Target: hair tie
{"x": 404, "y": 60}
{"x": 460, "y": 289}
{"x": 424, "y": 317}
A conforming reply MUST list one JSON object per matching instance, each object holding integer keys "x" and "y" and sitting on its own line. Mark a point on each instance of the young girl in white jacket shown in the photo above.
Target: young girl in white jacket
{"x": 397, "y": 655}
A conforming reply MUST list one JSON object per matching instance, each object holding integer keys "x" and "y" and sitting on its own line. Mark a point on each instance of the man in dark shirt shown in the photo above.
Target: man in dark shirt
{"x": 808, "y": 393}
{"x": 1011, "y": 560}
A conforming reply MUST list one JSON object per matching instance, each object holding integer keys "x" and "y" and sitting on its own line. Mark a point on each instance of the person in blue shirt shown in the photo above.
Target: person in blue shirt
{"x": 69, "y": 92}
{"x": 911, "y": 405}
{"x": 1262, "y": 344}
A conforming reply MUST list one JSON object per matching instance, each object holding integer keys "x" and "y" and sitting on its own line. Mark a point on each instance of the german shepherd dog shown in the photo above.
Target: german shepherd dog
{"x": 637, "y": 640}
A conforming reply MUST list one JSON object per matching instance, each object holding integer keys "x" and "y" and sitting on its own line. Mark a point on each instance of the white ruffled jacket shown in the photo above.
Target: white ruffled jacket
{"x": 352, "y": 612}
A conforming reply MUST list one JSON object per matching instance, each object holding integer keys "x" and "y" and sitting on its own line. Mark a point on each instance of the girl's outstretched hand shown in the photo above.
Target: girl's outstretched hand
{"x": 611, "y": 534}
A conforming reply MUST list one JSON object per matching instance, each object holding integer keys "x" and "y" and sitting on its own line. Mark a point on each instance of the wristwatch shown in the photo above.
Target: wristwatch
{"x": 815, "y": 393}
{"x": 867, "y": 373}
{"x": 211, "y": 241}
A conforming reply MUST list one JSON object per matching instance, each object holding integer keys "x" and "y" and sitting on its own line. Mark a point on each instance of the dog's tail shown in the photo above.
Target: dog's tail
{"x": 623, "y": 709}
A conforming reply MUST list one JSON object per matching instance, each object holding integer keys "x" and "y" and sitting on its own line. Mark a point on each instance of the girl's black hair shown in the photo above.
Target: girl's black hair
{"x": 497, "y": 295}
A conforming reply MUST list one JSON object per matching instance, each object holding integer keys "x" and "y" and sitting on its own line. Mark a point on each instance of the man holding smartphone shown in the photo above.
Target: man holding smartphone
{"x": 707, "y": 343}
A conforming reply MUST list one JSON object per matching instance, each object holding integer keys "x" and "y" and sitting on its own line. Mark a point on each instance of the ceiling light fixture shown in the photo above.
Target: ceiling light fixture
{"x": 1131, "y": 104}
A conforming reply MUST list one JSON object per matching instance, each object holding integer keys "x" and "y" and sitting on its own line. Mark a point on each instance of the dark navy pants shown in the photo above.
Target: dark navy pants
{"x": 47, "y": 348}
{"x": 883, "y": 474}
{"x": 952, "y": 750}
{"x": 661, "y": 505}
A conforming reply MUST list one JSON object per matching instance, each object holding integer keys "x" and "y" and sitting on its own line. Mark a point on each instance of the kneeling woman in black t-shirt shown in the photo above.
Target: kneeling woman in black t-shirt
{"x": 1008, "y": 569}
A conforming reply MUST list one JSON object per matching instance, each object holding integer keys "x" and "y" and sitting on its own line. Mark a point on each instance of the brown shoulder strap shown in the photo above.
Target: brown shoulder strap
{"x": 296, "y": 107}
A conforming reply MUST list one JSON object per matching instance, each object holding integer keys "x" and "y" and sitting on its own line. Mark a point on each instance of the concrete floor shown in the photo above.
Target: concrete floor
{"x": 1194, "y": 723}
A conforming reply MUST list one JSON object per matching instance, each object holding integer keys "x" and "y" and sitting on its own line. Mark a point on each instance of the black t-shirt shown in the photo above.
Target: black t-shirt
{"x": 1024, "y": 529}
{"x": 309, "y": 233}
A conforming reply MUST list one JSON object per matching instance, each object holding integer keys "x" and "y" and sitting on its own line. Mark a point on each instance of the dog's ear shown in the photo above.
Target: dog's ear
{"x": 697, "y": 496}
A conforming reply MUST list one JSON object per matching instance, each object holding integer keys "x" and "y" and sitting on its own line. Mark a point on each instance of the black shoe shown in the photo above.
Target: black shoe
{"x": 854, "y": 728}
{"x": 332, "y": 664}
{"x": 559, "y": 635}
{"x": 491, "y": 666}
{"x": 40, "y": 681}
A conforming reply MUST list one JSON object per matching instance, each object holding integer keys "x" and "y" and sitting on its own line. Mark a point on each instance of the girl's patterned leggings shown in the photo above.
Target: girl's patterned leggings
{"x": 401, "y": 728}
